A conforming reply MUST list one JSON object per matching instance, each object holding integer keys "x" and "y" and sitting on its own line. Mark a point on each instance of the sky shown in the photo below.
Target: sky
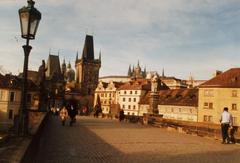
{"x": 184, "y": 37}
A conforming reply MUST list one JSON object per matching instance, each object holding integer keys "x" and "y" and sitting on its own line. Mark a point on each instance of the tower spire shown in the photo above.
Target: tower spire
{"x": 88, "y": 49}
{"x": 129, "y": 71}
{"x": 100, "y": 55}
{"x": 76, "y": 57}
{"x": 163, "y": 73}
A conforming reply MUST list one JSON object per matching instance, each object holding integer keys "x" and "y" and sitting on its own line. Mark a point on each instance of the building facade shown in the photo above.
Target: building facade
{"x": 129, "y": 96}
{"x": 179, "y": 104}
{"x": 10, "y": 98}
{"x": 106, "y": 94}
{"x": 221, "y": 91}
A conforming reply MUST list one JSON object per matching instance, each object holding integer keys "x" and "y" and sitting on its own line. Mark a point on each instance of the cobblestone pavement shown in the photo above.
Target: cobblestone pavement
{"x": 100, "y": 140}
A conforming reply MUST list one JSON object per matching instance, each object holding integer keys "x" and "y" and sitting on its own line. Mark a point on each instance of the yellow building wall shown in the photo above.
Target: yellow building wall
{"x": 185, "y": 113}
{"x": 220, "y": 97}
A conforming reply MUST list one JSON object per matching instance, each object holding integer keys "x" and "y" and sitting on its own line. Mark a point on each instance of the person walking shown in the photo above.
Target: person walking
{"x": 63, "y": 115}
{"x": 226, "y": 122}
{"x": 72, "y": 113}
{"x": 121, "y": 115}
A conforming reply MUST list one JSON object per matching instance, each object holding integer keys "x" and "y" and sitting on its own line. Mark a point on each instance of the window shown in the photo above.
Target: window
{"x": 180, "y": 110}
{"x": 234, "y": 93}
{"x": 205, "y": 104}
{"x": 110, "y": 94}
{"x": 123, "y": 106}
{"x": 234, "y": 106}
{"x": 125, "y": 92}
{"x": 130, "y": 92}
{"x": 134, "y": 100}
{"x": 234, "y": 121}
{"x": 10, "y": 114}
{"x": 102, "y": 95}
{"x": 1, "y": 95}
{"x": 11, "y": 96}
{"x": 123, "y": 99}
{"x": 208, "y": 105}
{"x": 207, "y": 118}
{"x": 133, "y": 114}
{"x": 135, "y": 92}
{"x": 129, "y": 100}
{"x": 134, "y": 107}
{"x": 129, "y": 106}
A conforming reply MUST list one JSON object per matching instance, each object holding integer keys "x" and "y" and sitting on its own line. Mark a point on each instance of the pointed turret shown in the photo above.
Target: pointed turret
{"x": 100, "y": 56}
{"x": 76, "y": 57}
{"x": 145, "y": 72}
{"x": 64, "y": 69}
{"x": 69, "y": 65}
{"x": 88, "y": 50}
{"x": 138, "y": 65}
{"x": 163, "y": 73}
{"x": 129, "y": 71}
{"x": 64, "y": 65}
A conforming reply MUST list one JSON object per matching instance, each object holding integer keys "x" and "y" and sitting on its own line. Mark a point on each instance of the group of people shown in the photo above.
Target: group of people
{"x": 68, "y": 111}
{"x": 227, "y": 127}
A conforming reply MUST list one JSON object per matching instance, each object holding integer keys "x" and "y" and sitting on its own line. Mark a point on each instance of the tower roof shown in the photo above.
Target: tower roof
{"x": 53, "y": 65}
{"x": 88, "y": 49}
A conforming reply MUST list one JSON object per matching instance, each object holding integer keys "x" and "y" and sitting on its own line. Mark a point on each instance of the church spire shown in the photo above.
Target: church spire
{"x": 163, "y": 73}
{"x": 69, "y": 65}
{"x": 100, "y": 56}
{"x": 145, "y": 72}
{"x": 129, "y": 71}
{"x": 76, "y": 57}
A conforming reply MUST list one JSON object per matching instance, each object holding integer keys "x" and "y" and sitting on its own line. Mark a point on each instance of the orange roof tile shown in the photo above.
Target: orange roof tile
{"x": 228, "y": 79}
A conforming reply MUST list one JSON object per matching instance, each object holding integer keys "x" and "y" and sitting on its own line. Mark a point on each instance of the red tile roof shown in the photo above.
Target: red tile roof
{"x": 228, "y": 79}
{"x": 178, "y": 97}
{"x": 138, "y": 84}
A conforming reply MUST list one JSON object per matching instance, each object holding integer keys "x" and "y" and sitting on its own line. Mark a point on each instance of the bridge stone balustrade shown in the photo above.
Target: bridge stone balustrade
{"x": 21, "y": 149}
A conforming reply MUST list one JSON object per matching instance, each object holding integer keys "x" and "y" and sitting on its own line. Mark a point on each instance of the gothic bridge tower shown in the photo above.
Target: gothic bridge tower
{"x": 87, "y": 68}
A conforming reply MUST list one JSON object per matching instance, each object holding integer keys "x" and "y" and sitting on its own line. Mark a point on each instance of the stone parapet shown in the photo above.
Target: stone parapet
{"x": 20, "y": 149}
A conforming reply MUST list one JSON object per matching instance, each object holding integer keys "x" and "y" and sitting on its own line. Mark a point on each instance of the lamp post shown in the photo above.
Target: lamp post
{"x": 29, "y": 21}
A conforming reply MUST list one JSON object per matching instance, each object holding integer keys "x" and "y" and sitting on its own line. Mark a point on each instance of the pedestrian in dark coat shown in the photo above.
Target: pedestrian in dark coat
{"x": 72, "y": 112}
{"x": 121, "y": 115}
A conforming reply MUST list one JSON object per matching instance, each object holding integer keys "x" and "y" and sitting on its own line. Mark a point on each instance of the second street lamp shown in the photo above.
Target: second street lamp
{"x": 29, "y": 21}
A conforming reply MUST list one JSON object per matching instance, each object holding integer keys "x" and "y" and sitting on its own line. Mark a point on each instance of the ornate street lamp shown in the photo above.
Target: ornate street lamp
{"x": 29, "y": 21}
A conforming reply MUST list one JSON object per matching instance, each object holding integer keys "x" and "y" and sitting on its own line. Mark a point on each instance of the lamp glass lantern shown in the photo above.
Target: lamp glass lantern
{"x": 29, "y": 20}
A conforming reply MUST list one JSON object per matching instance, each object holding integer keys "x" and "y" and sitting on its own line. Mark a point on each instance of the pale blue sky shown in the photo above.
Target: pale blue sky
{"x": 181, "y": 36}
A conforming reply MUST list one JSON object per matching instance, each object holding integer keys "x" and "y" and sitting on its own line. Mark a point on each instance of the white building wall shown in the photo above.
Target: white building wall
{"x": 129, "y": 101}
